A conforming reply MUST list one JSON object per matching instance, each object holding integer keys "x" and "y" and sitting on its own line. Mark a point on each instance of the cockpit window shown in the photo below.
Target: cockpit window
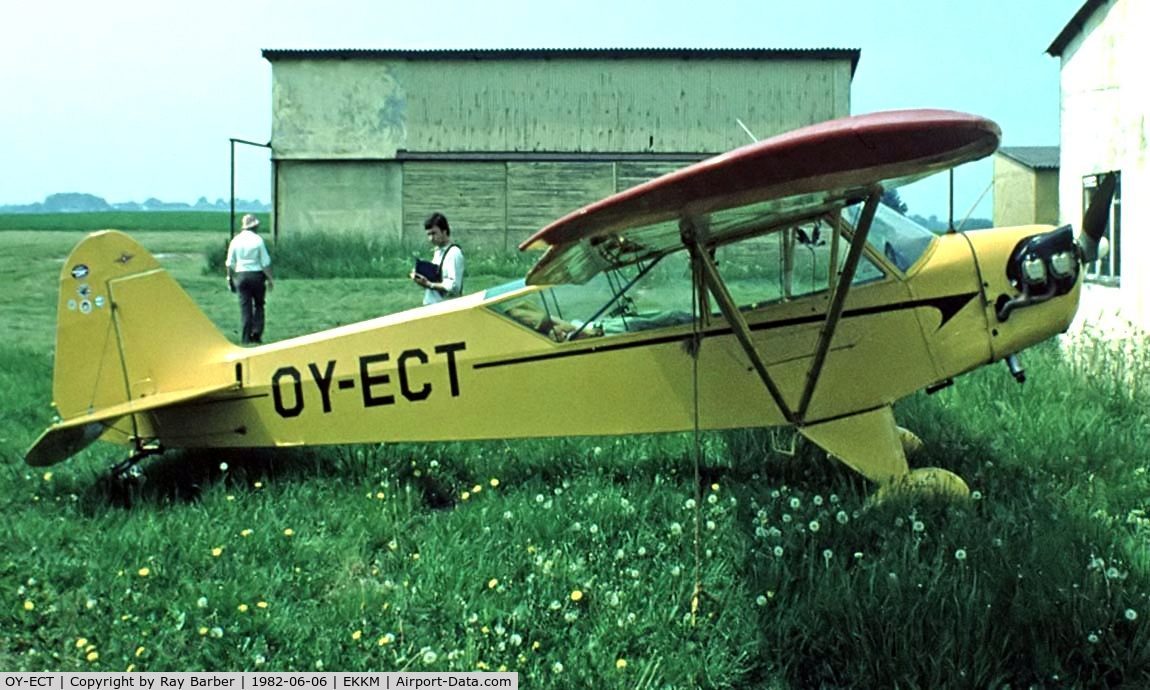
{"x": 901, "y": 240}
{"x": 758, "y": 271}
{"x": 634, "y": 298}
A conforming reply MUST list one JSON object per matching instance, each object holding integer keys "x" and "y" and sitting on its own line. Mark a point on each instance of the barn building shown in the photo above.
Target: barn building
{"x": 1026, "y": 185}
{"x": 1105, "y": 127}
{"x": 504, "y": 141}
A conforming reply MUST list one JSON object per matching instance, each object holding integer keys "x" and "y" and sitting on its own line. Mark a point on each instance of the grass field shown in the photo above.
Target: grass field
{"x": 576, "y": 562}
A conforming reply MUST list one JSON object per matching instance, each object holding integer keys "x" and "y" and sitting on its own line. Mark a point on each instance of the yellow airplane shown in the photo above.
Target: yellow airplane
{"x": 763, "y": 287}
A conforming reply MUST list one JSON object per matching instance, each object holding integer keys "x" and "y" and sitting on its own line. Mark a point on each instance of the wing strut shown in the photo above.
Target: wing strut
{"x": 841, "y": 288}
{"x": 705, "y": 265}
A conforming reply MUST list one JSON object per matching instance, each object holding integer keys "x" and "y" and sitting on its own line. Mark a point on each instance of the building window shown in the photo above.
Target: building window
{"x": 1108, "y": 269}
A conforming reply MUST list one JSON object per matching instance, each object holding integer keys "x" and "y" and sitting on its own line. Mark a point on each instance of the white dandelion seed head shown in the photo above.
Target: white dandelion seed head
{"x": 690, "y": 504}
{"x": 795, "y": 503}
{"x": 761, "y": 600}
{"x": 919, "y": 526}
{"x": 841, "y": 517}
{"x": 1131, "y": 614}
{"x": 817, "y": 500}
{"x": 1092, "y": 638}
{"x": 960, "y": 555}
{"x": 778, "y": 551}
{"x": 813, "y": 526}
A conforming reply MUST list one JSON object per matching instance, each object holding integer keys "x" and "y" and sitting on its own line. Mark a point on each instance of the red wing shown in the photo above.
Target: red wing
{"x": 761, "y": 187}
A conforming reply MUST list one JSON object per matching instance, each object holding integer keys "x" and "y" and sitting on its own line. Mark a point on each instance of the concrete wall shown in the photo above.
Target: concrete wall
{"x": 1024, "y": 195}
{"x": 1106, "y": 126}
{"x": 374, "y": 108}
{"x": 503, "y": 146}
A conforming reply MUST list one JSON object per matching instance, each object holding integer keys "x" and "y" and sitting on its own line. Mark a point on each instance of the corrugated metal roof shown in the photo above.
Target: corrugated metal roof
{"x": 1036, "y": 157}
{"x": 1074, "y": 26}
{"x": 852, "y": 54}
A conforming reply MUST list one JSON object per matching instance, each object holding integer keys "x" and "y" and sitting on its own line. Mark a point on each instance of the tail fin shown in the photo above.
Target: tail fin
{"x": 128, "y": 338}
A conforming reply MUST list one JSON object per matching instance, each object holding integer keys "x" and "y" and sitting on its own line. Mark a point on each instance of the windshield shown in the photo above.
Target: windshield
{"x": 901, "y": 240}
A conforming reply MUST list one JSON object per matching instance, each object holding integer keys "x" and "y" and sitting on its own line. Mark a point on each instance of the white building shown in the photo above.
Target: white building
{"x": 1105, "y": 115}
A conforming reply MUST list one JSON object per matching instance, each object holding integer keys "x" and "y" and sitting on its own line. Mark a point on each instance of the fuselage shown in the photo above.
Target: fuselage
{"x": 465, "y": 369}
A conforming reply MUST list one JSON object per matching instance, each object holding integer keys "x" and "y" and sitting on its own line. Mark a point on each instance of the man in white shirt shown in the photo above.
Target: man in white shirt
{"x": 448, "y": 258}
{"x": 250, "y": 276}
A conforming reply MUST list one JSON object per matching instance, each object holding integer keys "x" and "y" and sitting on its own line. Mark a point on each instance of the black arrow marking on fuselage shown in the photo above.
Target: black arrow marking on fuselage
{"x": 947, "y": 305}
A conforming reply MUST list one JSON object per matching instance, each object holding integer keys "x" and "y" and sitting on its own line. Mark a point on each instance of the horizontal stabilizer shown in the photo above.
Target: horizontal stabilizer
{"x": 63, "y": 440}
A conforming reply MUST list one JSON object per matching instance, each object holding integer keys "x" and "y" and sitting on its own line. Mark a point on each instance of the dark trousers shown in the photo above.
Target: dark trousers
{"x": 251, "y": 286}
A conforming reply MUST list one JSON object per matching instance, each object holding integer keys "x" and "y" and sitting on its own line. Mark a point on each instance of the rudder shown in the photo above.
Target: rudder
{"x": 127, "y": 331}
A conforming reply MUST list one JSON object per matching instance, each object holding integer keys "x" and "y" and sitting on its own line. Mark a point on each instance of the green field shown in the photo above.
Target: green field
{"x": 634, "y": 562}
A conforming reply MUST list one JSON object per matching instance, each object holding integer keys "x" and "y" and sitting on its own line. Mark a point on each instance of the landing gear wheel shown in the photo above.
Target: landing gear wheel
{"x": 925, "y": 481}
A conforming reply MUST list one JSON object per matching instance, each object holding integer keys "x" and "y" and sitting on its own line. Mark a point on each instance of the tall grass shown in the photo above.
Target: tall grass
{"x": 352, "y": 255}
{"x": 642, "y": 561}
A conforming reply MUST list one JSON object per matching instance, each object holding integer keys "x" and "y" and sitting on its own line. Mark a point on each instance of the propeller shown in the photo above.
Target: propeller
{"x": 1094, "y": 221}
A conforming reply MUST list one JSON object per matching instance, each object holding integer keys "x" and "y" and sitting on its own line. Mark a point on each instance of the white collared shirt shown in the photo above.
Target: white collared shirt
{"x": 451, "y": 264}
{"x": 247, "y": 252}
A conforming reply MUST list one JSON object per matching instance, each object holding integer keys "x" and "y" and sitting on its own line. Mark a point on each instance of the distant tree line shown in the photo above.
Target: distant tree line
{"x": 76, "y": 202}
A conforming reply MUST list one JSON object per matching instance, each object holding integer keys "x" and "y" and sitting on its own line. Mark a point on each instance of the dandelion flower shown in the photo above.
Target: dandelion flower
{"x": 289, "y": 532}
{"x": 92, "y": 656}
{"x": 245, "y": 533}
{"x": 81, "y": 642}
{"x": 258, "y": 485}
{"x": 203, "y": 631}
{"x": 465, "y": 495}
{"x": 477, "y": 488}
{"x": 139, "y": 651}
{"x": 620, "y": 664}
{"x": 492, "y": 583}
{"x": 386, "y": 640}
{"x": 261, "y": 604}
{"x": 577, "y": 595}
{"x": 242, "y": 608}
{"x": 47, "y": 476}
{"x": 144, "y": 572}
{"x": 28, "y": 605}
{"x": 356, "y": 635}
{"x": 494, "y": 482}
{"x": 217, "y": 551}
{"x": 715, "y": 486}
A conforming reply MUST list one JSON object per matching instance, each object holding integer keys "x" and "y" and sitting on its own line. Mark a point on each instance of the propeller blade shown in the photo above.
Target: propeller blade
{"x": 1097, "y": 216}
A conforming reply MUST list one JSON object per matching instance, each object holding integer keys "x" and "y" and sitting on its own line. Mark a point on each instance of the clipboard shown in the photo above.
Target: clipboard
{"x": 428, "y": 270}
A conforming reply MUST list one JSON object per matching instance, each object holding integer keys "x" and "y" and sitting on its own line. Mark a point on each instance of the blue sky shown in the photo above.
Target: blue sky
{"x": 128, "y": 99}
